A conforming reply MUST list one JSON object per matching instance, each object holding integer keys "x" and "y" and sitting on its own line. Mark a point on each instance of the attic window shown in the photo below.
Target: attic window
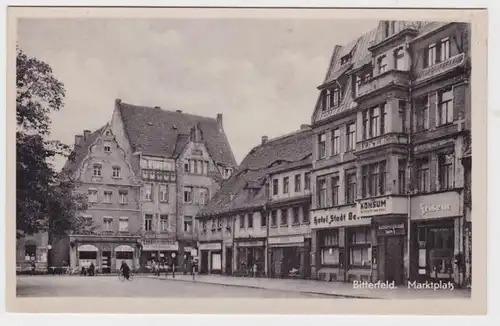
{"x": 108, "y": 133}
{"x": 345, "y": 59}
{"x": 107, "y": 146}
{"x": 335, "y": 97}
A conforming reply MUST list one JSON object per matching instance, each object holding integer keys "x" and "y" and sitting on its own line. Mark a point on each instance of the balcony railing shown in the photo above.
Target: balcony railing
{"x": 440, "y": 68}
{"x": 158, "y": 175}
{"x": 391, "y": 77}
{"x": 397, "y": 139}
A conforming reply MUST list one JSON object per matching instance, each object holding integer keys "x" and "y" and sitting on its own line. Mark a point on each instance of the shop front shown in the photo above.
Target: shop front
{"x": 435, "y": 249}
{"x": 210, "y": 257}
{"x": 387, "y": 251}
{"x": 289, "y": 256}
{"x": 157, "y": 250}
{"x": 341, "y": 246}
{"x": 250, "y": 257}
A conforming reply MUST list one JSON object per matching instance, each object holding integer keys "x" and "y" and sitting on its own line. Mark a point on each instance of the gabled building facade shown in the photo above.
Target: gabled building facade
{"x": 102, "y": 171}
{"x": 392, "y": 115}
{"x": 181, "y": 160}
{"x": 250, "y": 228}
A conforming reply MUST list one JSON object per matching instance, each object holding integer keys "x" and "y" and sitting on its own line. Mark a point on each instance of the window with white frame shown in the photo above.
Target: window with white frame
{"x": 329, "y": 244}
{"x": 321, "y": 192}
{"x": 97, "y": 170}
{"x": 399, "y": 59}
{"x": 298, "y": 182}
{"x": 422, "y": 113}
{"x": 108, "y": 196}
{"x": 148, "y": 222}
{"x": 286, "y": 181}
{"x": 123, "y": 224}
{"x": 107, "y": 223}
{"x": 431, "y": 55}
{"x": 163, "y": 189}
{"x": 445, "y": 106}
{"x": 446, "y": 179}
{"x": 351, "y": 136}
{"x": 284, "y": 217}
{"x": 373, "y": 179}
{"x": 163, "y": 223}
{"x": 296, "y": 215}
{"x": 322, "y": 145}
{"x": 351, "y": 182}
{"x": 148, "y": 192}
{"x": 335, "y": 97}
{"x": 444, "y": 49}
{"x": 250, "y": 221}
{"x": 107, "y": 146}
{"x": 360, "y": 250}
{"x": 275, "y": 187}
{"x": 116, "y": 172}
{"x": 274, "y": 218}
{"x": 203, "y": 196}
{"x": 382, "y": 64}
{"x": 423, "y": 177}
{"x": 374, "y": 121}
{"x": 188, "y": 194}
{"x": 335, "y": 190}
{"x": 92, "y": 196}
{"x": 336, "y": 141}
{"x": 307, "y": 181}
{"x": 123, "y": 196}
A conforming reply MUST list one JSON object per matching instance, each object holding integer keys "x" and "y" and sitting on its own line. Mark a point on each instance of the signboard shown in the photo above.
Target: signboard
{"x": 391, "y": 229}
{"x": 382, "y": 206}
{"x": 159, "y": 244}
{"x": 286, "y": 239}
{"x": 211, "y": 246}
{"x": 88, "y": 247}
{"x": 251, "y": 244}
{"x": 445, "y": 204}
{"x": 338, "y": 217}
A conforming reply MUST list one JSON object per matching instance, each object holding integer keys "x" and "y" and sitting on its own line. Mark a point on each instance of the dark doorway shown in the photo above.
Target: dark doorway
{"x": 204, "y": 262}
{"x": 394, "y": 263}
{"x": 229, "y": 261}
{"x": 106, "y": 262}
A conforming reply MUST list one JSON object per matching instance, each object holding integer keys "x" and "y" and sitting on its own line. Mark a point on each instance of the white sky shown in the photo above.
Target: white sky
{"x": 261, "y": 74}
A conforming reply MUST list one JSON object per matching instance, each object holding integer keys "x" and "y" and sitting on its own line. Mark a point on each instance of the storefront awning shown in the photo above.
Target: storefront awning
{"x": 87, "y": 247}
{"x": 124, "y": 248}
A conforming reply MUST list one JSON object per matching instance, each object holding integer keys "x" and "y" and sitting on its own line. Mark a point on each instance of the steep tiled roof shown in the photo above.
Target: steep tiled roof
{"x": 158, "y": 132}
{"x": 245, "y": 188}
{"x": 79, "y": 153}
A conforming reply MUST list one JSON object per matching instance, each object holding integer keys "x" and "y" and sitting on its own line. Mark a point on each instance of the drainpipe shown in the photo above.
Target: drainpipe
{"x": 408, "y": 163}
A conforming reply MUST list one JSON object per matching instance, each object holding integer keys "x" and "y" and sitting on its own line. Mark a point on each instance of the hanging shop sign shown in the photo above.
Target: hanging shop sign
{"x": 382, "y": 206}
{"x": 337, "y": 217}
{"x": 391, "y": 229}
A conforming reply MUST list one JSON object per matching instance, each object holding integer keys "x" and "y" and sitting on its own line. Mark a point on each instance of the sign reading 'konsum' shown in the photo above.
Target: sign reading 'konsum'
{"x": 382, "y": 206}
{"x": 336, "y": 217}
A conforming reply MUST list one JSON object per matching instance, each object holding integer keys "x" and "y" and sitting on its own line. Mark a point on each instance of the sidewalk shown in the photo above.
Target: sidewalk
{"x": 337, "y": 289}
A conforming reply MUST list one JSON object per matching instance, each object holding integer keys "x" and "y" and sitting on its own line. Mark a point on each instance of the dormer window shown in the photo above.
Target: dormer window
{"x": 107, "y": 146}
{"x": 335, "y": 97}
{"x": 345, "y": 59}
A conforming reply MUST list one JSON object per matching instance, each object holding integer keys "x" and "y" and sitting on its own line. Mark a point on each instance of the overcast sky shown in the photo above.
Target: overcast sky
{"x": 261, "y": 74}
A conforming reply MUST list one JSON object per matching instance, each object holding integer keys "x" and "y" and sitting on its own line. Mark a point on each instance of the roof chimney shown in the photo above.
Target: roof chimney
{"x": 78, "y": 140}
{"x": 305, "y": 127}
{"x": 118, "y": 101}
{"x": 219, "y": 121}
{"x": 157, "y": 107}
{"x": 178, "y": 111}
{"x": 264, "y": 139}
{"x": 86, "y": 134}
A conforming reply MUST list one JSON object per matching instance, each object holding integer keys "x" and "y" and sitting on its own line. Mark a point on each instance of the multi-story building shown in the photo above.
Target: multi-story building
{"x": 102, "y": 171}
{"x": 389, "y": 126}
{"x": 259, "y": 221}
{"x": 181, "y": 160}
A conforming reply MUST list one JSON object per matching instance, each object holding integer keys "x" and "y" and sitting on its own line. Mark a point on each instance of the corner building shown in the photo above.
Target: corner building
{"x": 389, "y": 129}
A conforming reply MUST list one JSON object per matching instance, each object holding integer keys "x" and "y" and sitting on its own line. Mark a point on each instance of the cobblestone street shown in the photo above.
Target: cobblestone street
{"x": 140, "y": 286}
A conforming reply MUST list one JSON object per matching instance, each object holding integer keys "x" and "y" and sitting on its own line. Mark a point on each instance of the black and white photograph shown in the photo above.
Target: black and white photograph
{"x": 252, "y": 158}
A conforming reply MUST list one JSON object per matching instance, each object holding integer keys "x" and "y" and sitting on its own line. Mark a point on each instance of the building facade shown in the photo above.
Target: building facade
{"x": 250, "y": 229}
{"x": 32, "y": 249}
{"x": 181, "y": 160}
{"x": 102, "y": 171}
{"x": 389, "y": 129}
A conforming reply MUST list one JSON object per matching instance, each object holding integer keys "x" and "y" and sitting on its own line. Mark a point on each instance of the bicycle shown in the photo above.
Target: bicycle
{"x": 121, "y": 277}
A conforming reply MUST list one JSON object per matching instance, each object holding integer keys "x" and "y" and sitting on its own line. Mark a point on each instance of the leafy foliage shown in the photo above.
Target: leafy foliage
{"x": 44, "y": 201}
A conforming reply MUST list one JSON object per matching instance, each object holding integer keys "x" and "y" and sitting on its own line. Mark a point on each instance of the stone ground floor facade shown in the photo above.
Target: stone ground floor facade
{"x": 32, "y": 252}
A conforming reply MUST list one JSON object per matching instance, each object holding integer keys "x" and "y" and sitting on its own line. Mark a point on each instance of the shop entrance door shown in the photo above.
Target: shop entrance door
{"x": 394, "y": 264}
{"x": 204, "y": 262}
{"x": 229, "y": 261}
{"x": 106, "y": 262}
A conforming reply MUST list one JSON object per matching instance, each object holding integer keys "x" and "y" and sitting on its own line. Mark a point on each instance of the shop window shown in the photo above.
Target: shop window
{"x": 321, "y": 192}
{"x": 445, "y": 107}
{"x": 336, "y": 141}
{"x": 423, "y": 178}
{"x": 335, "y": 190}
{"x": 30, "y": 251}
{"x": 360, "y": 250}
{"x": 274, "y": 218}
{"x": 298, "y": 181}
{"x": 124, "y": 255}
{"x": 350, "y": 187}
{"x": 446, "y": 171}
{"x": 307, "y": 181}
{"x": 321, "y": 146}
{"x": 275, "y": 187}
{"x": 296, "y": 215}
{"x": 285, "y": 184}
{"x": 329, "y": 247}
{"x": 284, "y": 217}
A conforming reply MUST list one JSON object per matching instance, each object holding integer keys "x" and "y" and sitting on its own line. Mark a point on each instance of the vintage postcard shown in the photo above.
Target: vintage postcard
{"x": 180, "y": 158}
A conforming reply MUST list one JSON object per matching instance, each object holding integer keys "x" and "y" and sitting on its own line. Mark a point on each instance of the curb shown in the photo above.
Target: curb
{"x": 346, "y": 296}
